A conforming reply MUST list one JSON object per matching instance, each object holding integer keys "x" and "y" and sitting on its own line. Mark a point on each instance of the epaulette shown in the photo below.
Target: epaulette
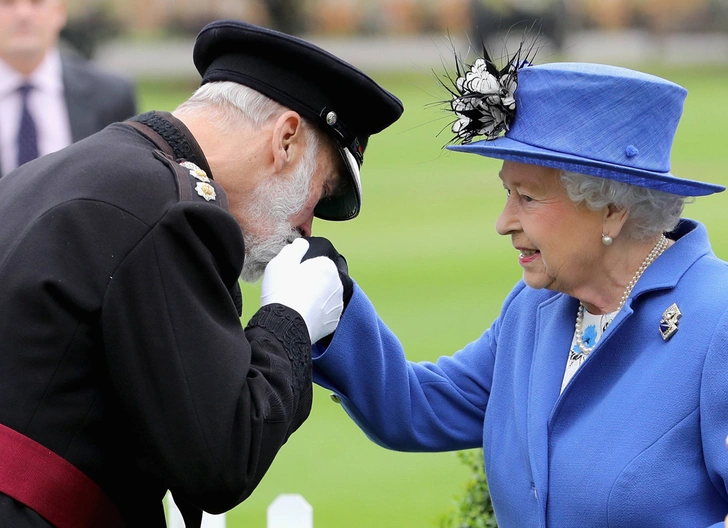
{"x": 193, "y": 183}
{"x": 174, "y": 150}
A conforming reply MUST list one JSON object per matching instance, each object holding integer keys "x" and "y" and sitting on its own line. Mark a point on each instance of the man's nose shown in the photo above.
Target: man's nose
{"x": 306, "y": 227}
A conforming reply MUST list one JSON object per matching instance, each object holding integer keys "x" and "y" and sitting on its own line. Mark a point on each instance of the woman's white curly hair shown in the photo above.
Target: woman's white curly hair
{"x": 651, "y": 212}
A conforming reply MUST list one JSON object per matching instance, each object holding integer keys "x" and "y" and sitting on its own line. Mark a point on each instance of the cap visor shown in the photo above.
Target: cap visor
{"x": 346, "y": 203}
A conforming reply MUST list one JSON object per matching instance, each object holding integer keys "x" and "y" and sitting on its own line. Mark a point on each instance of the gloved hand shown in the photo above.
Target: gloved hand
{"x": 322, "y": 247}
{"x": 311, "y": 288}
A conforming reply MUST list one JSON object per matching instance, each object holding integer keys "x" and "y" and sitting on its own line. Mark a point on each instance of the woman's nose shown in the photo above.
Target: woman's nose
{"x": 507, "y": 221}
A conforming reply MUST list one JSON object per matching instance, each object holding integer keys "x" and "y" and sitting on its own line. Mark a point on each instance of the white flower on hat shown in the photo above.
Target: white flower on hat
{"x": 479, "y": 80}
{"x": 460, "y": 126}
{"x": 509, "y": 82}
{"x": 485, "y": 102}
{"x": 484, "y": 99}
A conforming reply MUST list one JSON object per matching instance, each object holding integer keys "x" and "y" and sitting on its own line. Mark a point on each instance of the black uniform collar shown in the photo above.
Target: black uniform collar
{"x": 178, "y": 137}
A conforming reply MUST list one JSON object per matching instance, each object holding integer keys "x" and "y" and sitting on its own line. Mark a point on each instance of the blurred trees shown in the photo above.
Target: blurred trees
{"x": 89, "y": 28}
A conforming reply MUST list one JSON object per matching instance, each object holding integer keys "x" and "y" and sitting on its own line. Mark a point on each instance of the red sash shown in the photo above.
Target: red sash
{"x": 51, "y": 486}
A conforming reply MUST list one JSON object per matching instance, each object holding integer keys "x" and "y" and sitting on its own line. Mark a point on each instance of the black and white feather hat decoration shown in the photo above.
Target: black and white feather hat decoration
{"x": 482, "y": 95}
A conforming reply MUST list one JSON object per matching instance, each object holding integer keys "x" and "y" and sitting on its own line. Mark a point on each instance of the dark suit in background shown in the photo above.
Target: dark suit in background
{"x": 94, "y": 98}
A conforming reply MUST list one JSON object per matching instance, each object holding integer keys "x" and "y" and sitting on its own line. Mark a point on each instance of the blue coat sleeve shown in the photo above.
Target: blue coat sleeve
{"x": 399, "y": 404}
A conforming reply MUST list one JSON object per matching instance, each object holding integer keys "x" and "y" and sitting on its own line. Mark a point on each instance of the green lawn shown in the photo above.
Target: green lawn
{"x": 425, "y": 250}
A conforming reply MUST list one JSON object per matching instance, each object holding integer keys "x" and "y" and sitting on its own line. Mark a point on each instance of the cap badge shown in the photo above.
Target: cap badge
{"x": 205, "y": 190}
{"x": 331, "y": 118}
{"x": 670, "y": 320}
{"x": 195, "y": 171}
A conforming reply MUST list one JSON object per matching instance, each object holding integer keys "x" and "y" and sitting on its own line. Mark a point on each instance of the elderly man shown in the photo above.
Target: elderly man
{"x": 125, "y": 370}
{"x": 49, "y": 98}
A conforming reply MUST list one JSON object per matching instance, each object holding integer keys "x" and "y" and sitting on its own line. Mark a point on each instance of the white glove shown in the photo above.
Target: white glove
{"x": 312, "y": 288}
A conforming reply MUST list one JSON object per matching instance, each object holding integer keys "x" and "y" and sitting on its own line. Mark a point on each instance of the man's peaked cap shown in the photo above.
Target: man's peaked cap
{"x": 333, "y": 95}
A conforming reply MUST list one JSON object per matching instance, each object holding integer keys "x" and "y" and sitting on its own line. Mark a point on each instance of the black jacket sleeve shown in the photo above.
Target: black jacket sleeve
{"x": 211, "y": 403}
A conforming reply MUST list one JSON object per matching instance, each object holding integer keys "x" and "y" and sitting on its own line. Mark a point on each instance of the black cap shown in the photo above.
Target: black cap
{"x": 337, "y": 97}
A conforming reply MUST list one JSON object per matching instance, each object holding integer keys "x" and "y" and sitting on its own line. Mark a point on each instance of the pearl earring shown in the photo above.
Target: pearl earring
{"x": 606, "y": 239}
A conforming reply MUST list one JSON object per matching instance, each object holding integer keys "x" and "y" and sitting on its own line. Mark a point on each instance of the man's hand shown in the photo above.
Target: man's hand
{"x": 311, "y": 288}
{"x": 321, "y": 247}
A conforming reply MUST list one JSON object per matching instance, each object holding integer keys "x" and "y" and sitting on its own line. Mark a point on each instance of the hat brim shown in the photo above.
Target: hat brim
{"x": 505, "y": 148}
{"x": 346, "y": 203}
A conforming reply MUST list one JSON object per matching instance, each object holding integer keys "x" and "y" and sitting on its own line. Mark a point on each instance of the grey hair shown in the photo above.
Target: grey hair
{"x": 232, "y": 101}
{"x": 651, "y": 212}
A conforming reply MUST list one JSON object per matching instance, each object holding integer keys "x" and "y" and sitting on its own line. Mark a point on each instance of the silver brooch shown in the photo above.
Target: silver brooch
{"x": 205, "y": 190}
{"x": 670, "y": 320}
{"x": 195, "y": 171}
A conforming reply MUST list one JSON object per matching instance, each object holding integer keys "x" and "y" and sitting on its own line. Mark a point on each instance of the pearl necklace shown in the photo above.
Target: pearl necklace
{"x": 656, "y": 252}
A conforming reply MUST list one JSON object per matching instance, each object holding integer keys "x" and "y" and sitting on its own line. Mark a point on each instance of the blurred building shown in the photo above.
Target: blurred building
{"x": 326, "y": 16}
{"x": 100, "y": 19}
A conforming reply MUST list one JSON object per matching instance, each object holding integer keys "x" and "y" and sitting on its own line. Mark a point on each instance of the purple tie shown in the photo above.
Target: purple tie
{"x": 27, "y": 133}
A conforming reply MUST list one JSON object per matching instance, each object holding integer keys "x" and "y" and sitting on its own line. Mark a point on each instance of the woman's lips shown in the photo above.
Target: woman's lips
{"x": 528, "y": 255}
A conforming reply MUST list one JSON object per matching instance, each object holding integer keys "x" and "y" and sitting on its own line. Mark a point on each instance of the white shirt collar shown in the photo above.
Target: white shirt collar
{"x": 47, "y": 77}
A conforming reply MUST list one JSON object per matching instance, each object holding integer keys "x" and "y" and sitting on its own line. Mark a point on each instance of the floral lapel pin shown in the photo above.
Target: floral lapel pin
{"x": 195, "y": 171}
{"x": 669, "y": 322}
{"x": 205, "y": 190}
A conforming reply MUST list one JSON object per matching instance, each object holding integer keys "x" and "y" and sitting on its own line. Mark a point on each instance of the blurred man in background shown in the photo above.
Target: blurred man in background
{"x": 49, "y": 97}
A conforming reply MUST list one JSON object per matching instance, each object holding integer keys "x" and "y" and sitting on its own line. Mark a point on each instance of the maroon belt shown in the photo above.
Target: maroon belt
{"x": 51, "y": 486}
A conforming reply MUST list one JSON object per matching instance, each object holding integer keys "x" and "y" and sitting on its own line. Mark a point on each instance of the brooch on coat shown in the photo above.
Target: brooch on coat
{"x": 670, "y": 320}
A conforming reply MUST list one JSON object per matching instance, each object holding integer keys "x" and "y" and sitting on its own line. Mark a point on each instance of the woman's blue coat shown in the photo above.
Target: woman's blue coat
{"x": 637, "y": 438}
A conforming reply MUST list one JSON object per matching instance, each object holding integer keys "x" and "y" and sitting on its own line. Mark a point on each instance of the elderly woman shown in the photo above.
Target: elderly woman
{"x": 600, "y": 393}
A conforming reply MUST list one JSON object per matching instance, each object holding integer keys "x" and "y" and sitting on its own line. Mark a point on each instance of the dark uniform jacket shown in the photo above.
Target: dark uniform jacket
{"x": 121, "y": 347}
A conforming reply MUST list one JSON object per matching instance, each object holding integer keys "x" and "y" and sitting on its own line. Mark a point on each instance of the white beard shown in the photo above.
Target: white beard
{"x": 273, "y": 204}
{"x": 259, "y": 251}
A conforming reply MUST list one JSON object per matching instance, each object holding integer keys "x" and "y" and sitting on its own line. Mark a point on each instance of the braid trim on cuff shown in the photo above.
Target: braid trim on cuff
{"x": 290, "y": 329}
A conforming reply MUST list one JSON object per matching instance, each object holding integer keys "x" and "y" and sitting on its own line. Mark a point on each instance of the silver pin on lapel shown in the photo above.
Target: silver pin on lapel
{"x": 670, "y": 320}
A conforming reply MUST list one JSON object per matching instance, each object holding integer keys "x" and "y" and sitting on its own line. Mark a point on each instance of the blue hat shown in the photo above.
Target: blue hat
{"x": 332, "y": 94}
{"x": 603, "y": 121}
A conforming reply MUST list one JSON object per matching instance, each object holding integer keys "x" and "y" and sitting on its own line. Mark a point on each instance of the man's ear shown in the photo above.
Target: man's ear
{"x": 286, "y": 140}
